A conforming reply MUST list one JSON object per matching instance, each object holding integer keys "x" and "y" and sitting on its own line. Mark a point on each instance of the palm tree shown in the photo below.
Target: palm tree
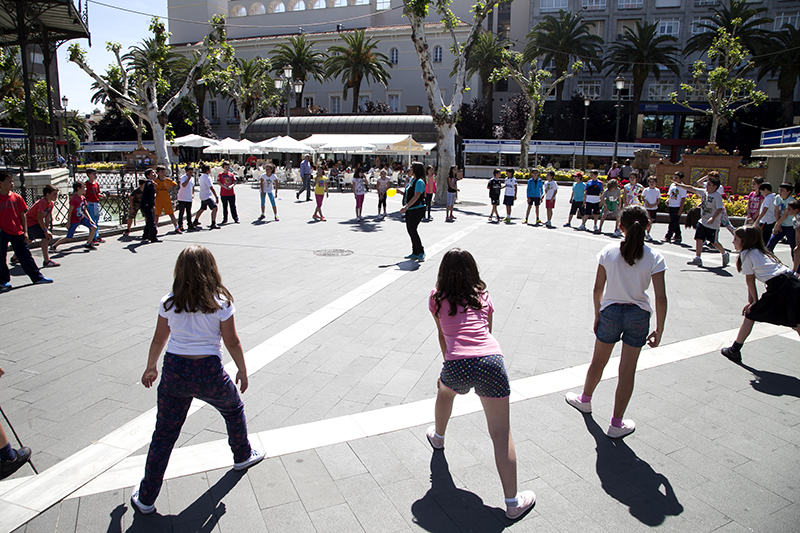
{"x": 304, "y": 60}
{"x": 201, "y": 91}
{"x": 485, "y": 56}
{"x": 248, "y": 84}
{"x": 356, "y": 62}
{"x": 562, "y": 39}
{"x": 739, "y": 19}
{"x": 642, "y": 52}
{"x": 780, "y": 56}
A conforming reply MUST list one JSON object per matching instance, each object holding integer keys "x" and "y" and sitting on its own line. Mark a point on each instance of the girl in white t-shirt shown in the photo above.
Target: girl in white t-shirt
{"x": 622, "y": 311}
{"x": 193, "y": 322}
{"x": 359, "y": 191}
{"x": 779, "y": 304}
{"x": 269, "y": 187}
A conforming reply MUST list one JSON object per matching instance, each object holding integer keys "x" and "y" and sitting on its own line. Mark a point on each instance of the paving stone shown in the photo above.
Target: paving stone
{"x": 271, "y": 484}
{"x": 288, "y": 518}
{"x": 311, "y": 481}
{"x": 372, "y": 508}
{"x": 335, "y": 519}
{"x": 340, "y": 461}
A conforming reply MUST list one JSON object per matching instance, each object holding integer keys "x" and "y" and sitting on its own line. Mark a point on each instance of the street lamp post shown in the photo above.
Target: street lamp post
{"x": 619, "y": 82}
{"x": 291, "y": 87}
{"x": 585, "y": 122}
{"x": 64, "y": 104}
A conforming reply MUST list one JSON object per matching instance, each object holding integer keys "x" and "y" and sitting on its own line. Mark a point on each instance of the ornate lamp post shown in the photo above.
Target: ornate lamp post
{"x": 585, "y": 122}
{"x": 64, "y": 104}
{"x": 619, "y": 82}
{"x": 291, "y": 87}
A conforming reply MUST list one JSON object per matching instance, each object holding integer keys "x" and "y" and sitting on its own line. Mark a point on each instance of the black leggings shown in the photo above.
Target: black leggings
{"x": 413, "y": 218}
{"x": 381, "y": 200}
{"x": 429, "y": 201}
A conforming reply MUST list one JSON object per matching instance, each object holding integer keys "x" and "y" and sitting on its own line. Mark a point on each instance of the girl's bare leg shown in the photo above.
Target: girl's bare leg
{"x": 505, "y": 456}
{"x": 444, "y": 407}
{"x": 627, "y": 373}
{"x": 744, "y": 330}
{"x": 602, "y": 352}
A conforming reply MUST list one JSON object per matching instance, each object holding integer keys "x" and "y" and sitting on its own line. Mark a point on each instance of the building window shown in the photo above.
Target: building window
{"x": 336, "y": 104}
{"x": 623, "y": 24}
{"x": 257, "y": 9}
{"x": 700, "y": 3}
{"x": 361, "y": 3}
{"x": 276, "y": 7}
{"x": 383, "y": 4}
{"x": 308, "y": 101}
{"x": 696, "y": 93}
{"x": 547, "y": 6}
{"x": 238, "y": 11}
{"x": 318, "y": 4}
{"x": 660, "y": 91}
{"x": 394, "y": 56}
{"x": 590, "y": 89}
{"x": 698, "y": 25}
{"x": 212, "y": 108}
{"x": 437, "y": 54}
{"x": 394, "y": 103}
{"x": 340, "y": 3}
{"x": 597, "y": 27}
{"x": 669, "y": 26}
{"x": 503, "y": 21}
{"x": 668, "y": 3}
{"x": 300, "y": 5}
{"x": 594, "y": 5}
{"x": 629, "y": 4}
{"x": 625, "y": 94}
{"x": 786, "y": 17}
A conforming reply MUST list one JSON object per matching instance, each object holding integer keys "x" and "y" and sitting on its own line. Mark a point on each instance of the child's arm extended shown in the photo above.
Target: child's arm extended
{"x": 442, "y": 343}
{"x": 234, "y": 346}
{"x": 160, "y": 338}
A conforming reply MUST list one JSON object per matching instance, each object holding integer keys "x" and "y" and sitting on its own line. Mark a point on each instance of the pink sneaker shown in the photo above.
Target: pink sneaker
{"x": 526, "y": 500}
{"x": 436, "y": 442}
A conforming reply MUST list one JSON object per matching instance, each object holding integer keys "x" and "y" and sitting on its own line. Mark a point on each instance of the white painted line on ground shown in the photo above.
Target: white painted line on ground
{"x": 35, "y": 494}
{"x": 213, "y": 455}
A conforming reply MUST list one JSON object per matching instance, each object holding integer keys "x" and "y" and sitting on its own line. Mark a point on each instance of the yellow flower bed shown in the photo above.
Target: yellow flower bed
{"x": 100, "y": 166}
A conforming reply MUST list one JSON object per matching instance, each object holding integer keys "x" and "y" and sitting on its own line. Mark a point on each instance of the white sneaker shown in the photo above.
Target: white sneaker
{"x": 525, "y": 499}
{"x": 575, "y": 401}
{"x": 256, "y": 456}
{"x": 582, "y": 227}
{"x": 144, "y": 509}
{"x": 696, "y": 261}
{"x": 726, "y": 259}
{"x": 436, "y": 442}
{"x": 617, "y": 233}
{"x": 628, "y": 427}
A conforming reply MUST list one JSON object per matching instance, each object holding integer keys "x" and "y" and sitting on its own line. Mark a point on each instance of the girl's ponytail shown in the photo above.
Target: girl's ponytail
{"x": 635, "y": 221}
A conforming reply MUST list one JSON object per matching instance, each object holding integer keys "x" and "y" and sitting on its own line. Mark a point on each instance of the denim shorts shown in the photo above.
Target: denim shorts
{"x": 627, "y": 321}
{"x": 74, "y": 225}
{"x": 487, "y": 374}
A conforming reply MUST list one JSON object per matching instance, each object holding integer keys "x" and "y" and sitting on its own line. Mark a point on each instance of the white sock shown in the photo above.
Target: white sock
{"x": 513, "y": 502}
{"x": 437, "y": 435}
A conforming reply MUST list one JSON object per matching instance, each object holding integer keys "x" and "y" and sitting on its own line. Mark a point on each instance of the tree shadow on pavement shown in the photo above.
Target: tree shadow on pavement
{"x": 448, "y": 509}
{"x": 201, "y": 516}
{"x": 773, "y": 383}
{"x": 632, "y": 481}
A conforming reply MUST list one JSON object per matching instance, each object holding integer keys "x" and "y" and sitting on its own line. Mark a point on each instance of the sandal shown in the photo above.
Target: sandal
{"x": 51, "y": 263}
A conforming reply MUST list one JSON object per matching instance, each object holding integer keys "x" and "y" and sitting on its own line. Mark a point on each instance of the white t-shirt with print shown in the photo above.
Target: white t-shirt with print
{"x": 510, "y": 183}
{"x": 186, "y": 193}
{"x": 267, "y": 183}
{"x": 358, "y": 186}
{"x": 709, "y": 204}
{"x": 768, "y": 204}
{"x": 195, "y": 333}
{"x": 550, "y": 188}
{"x": 627, "y": 284}
{"x": 676, "y": 194}
{"x": 762, "y": 267}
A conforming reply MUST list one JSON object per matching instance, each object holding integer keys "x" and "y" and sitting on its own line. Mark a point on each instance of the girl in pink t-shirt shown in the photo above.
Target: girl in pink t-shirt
{"x": 463, "y": 311}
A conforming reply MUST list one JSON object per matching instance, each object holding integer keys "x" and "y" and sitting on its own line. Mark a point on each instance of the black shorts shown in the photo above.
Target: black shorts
{"x": 534, "y": 200}
{"x": 495, "y": 199}
{"x": 508, "y": 200}
{"x": 35, "y": 232}
{"x": 704, "y": 233}
{"x": 576, "y": 207}
{"x": 208, "y": 204}
{"x": 652, "y": 213}
{"x": 591, "y": 209}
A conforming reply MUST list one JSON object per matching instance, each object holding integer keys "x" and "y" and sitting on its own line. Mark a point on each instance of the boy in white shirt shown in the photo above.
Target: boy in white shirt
{"x": 675, "y": 200}
{"x": 185, "y": 197}
{"x": 207, "y": 191}
{"x": 550, "y": 191}
{"x": 766, "y": 217}
{"x": 510, "y": 196}
{"x": 711, "y": 207}
{"x": 651, "y": 196}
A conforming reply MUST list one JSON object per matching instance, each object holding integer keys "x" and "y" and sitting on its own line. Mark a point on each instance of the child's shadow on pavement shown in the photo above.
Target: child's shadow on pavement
{"x": 202, "y": 515}
{"x": 446, "y": 508}
{"x": 632, "y": 481}
{"x": 773, "y": 383}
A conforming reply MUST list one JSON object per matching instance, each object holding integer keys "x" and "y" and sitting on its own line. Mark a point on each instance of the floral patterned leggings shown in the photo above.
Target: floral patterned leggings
{"x": 181, "y": 380}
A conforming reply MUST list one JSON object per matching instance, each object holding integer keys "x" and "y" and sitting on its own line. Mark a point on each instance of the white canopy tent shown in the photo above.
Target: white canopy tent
{"x": 282, "y": 143}
{"x": 193, "y": 141}
{"x": 230, "y": 146}
{"x": 400, "y": 144}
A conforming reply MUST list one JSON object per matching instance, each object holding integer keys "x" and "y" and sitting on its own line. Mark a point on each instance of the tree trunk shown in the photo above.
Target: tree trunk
{"x": 712, "y": 137}
{"x": 488, "y": 108}
{"x": 525, "y": 142}
{"x": 446, "y": 137}
{"x": 356, "y": 95}
{"x": 160, "y": 141}
{"x": 638, "y": 88}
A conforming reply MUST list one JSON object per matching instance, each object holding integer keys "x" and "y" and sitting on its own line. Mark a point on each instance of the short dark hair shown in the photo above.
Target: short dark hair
{"x": 794, "y": 204}
{"x": 205, "y": 168}
{"x": 714, "y": 180}
{"x": 766, "y": 186}
{"x": 496, "y": 171}
{"x": 148, "y": 172}
{"x": 759, "y": 180}
{"x": 77, "y": 186}
{"x": 786, "y": 186}
{"x": 5, "y": 175}
{"x": 91, "y": 170}
{"x": 679, "y": 174}
{"x": 160, "y": 168}
{"x": 47, "y": 189}
{"x": 551, "y": 173}
{"x": 188, "y": 167}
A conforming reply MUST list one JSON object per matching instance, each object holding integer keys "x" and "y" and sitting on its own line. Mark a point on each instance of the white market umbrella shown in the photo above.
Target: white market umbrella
{"x": 193, "y": 141}
{"x": 283, "y": 144}
{"x": 353, "y": 147}
{"x": 230, "y": 146}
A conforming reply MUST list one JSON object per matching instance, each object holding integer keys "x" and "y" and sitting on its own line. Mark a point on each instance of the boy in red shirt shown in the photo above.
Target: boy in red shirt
{"x": 226, "y": 181}
{"x": 14, "y": 230}
{"x": 78, "y": 216}
{"x": 40, "y": 216}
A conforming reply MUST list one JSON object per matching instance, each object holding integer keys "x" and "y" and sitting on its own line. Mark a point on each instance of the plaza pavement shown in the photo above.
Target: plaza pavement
{"x": 343, "y": 358}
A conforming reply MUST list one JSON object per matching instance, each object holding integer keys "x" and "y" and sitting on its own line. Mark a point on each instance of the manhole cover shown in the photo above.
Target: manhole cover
{"x": 333, "y": 253}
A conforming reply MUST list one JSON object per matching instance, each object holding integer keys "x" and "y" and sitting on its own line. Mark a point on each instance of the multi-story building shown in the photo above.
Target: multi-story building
{"x": 256, "y": 27}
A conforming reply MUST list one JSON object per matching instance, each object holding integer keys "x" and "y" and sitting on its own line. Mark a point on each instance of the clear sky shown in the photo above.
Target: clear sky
{"x": 105, "y": 24}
